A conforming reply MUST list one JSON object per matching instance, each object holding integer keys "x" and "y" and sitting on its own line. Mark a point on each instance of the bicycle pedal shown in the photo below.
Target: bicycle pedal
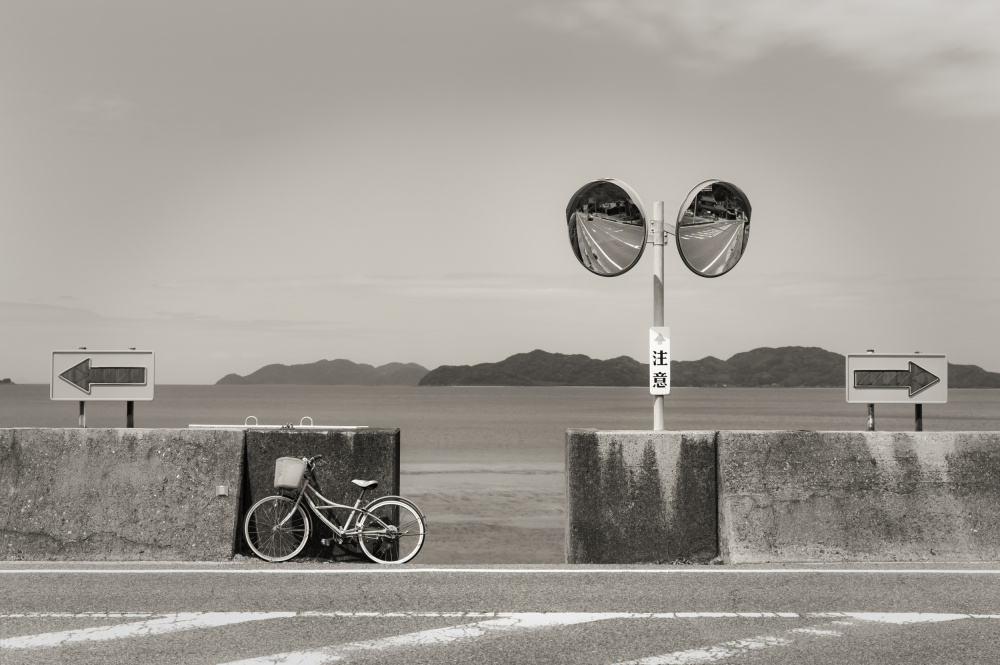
{"x": 327, "y": 542}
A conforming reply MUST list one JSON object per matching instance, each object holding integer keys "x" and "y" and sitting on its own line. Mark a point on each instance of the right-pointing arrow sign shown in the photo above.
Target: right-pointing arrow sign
{"x": 916, "y": 378}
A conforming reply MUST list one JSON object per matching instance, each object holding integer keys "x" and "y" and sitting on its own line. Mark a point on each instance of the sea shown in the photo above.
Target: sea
{"x": 486, "y": 464}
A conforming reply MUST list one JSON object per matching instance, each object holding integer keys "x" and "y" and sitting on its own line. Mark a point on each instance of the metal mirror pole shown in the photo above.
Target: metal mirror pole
{"x": 656, "y": 228}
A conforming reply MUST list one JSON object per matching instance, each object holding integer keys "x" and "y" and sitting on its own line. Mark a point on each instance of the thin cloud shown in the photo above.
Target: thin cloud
{"x": 940, "y": 53}
{"x": 109, "y": 108}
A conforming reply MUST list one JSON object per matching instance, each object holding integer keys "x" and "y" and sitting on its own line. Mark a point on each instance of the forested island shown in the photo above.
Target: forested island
{"x": 784, "y": 367}
{"x": 7, "y": 381}
{"x": 332, "y": 373}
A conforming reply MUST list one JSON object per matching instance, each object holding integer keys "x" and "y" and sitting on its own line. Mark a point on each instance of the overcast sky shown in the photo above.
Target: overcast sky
{"x": 233, "y": 183}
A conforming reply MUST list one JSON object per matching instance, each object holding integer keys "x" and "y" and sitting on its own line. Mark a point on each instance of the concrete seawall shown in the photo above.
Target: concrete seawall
{"x": 859, "y": 496}
{"x": 137, "y": 494}
{"x": 367, "y": 454}
{"x": 782, "y": 496}
{"x": 640, "y": 497}
{"x": 118, "y": 493}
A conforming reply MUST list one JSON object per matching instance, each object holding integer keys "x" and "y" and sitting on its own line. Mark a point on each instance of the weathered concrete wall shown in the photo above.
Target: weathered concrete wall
{"x": 95, "y": 494}
{"x": 640, "y": 496}
{"x": 366, "y": 454}
{"x": 855, "y": 496}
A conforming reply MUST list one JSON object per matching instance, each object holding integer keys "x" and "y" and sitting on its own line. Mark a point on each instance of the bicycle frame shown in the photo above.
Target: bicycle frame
{"x": 307, "y": 491}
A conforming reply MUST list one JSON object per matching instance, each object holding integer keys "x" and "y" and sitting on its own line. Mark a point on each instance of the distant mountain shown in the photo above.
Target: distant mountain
{"x": 971, "y": 376}
{"x": 785, "y": 367}
{"x": 332, "y": 373}
{"x": 788, "y": 367}
{"x": 540, "y": 368}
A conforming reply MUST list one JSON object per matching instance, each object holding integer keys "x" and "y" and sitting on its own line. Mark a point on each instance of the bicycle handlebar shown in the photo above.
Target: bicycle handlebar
{"x": 312, "y": 460}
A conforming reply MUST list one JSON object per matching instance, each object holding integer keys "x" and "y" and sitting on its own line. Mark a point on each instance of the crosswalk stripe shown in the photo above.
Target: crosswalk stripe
{"x": 482, "y": 623}
{"x": 463, "y": 632}
{"x": 158, "y": 626}
{"x": 731, "y": 649}
{"x": 843, "y": 620}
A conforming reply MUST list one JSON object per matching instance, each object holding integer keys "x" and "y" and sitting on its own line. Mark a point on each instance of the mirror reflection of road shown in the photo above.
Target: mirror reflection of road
{"x": 607, "y": 245}
{"x": 712, "y": 246}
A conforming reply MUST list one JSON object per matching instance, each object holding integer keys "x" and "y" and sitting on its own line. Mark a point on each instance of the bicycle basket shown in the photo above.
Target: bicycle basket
{"x": 289, "y": 472}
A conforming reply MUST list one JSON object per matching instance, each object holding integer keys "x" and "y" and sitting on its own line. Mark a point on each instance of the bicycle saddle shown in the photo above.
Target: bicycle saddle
{"x": 366, "y": 484}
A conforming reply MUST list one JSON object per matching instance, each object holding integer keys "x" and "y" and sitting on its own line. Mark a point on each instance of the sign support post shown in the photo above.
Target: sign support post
{"x": 658, "y": 241}
{"x": 83, "y": 405}
{"x": 871, "y": 408}
{"x": 130, "y": 407}
{"x": 918, "y": 414}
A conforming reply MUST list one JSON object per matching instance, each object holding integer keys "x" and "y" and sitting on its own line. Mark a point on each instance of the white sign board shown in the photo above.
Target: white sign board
{"x": 88, "y": 376}
{"x": 659, "y": 361}
{"x": 897, "y": 378}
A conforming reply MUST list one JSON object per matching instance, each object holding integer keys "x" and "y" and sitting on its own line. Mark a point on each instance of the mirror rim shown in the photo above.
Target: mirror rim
{"x": 642, "y": 211}
{"x": 684, "y": 206}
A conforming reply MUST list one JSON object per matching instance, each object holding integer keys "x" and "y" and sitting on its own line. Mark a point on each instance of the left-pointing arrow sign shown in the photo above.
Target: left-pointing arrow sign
{"x": 82, "y": 375}
{"x": 916, "y": 378}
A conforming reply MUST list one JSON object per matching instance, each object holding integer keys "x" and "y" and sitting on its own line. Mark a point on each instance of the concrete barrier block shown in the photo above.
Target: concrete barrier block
{"x": 97, "y": 494}
{"x": 366, "y": 454}
{"x": 856, "y": 496}
{"x": 640, "y": 496}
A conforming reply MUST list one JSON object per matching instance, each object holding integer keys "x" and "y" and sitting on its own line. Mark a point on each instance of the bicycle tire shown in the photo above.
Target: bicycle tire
{"x": 391, "y": 531}
{"x": 269, "y": 541}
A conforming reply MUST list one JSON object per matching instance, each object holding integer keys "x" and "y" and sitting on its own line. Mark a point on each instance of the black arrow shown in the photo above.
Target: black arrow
{"x": 82, "y": 375}
{"x": 916, "y": 378}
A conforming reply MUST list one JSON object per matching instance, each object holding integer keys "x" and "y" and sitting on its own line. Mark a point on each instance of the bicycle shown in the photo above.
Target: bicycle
{"x": 389, "y": 530}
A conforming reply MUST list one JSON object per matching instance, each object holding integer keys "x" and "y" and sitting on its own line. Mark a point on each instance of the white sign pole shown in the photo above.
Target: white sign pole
{"x": 658, "y": 239}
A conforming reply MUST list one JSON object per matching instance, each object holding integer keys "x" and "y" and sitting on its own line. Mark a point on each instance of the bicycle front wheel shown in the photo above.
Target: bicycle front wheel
{"x": 270, "y": 535}
{"x": 391, "y": 531}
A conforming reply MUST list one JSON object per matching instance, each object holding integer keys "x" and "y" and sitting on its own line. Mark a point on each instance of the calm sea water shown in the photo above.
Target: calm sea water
{"x": 498, "y": 424}
{"x": 486, "y": 464}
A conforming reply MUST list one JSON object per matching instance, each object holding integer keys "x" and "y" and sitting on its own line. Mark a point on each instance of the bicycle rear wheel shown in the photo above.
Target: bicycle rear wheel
{"x": 268, "y": 537}
{"x": 391, "y": 531}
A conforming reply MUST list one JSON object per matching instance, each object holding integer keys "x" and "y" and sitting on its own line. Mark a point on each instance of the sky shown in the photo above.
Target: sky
{"x": 236, "y": 183}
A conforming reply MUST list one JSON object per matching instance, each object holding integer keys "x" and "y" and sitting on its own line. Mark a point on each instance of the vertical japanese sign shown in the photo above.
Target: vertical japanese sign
{"x": 659, "y": 361}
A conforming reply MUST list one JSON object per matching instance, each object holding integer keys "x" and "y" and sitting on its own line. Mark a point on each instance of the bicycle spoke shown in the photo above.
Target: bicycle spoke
{"x": 276, "y": 529}
{"x": 384, "y": 527}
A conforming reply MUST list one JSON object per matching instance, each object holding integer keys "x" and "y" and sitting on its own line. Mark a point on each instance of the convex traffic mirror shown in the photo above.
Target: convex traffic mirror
{"x": 713, "y": 226}
{"x": 607, "y": 227}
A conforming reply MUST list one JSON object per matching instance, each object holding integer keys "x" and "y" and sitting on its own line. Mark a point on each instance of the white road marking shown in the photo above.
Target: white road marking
{"x": 386, "y": 570}
{"x": 528, "y": 620}
{"x": 712, "y": 653}
{"x": 896, "y": 617}
{"x": 81, "y": 615}
{"x": 165, "y": 624}
{"x": 592, "y": 242}
{"x": 485, "y": 622}
{"x": 465, "y": 615}
{"x": 725, "y": 250}
{"x": 735, "y": 648}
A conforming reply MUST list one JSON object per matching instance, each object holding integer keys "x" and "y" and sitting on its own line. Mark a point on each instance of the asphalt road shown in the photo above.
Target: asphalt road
{"x": 609, "y": 246}
{"x": 309, "y": 612}
{"x": 710, "y": 247}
